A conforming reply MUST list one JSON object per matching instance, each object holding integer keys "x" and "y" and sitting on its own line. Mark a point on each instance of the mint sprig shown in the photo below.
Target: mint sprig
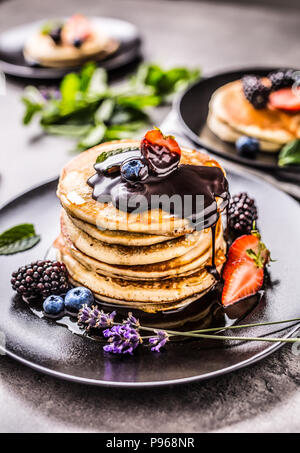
{"x": 105, "y": 112}
{"x": 18, "y": 239}
{"x": 290, "y": 154}
{"x": 106, "y": 154}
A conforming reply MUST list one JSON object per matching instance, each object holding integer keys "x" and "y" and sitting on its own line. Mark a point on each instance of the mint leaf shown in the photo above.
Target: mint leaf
{"x": 69, "y": 130}
{"x": 18, "y": 238}
{"x": 105, "y": 111}
{"x": 20, "y": 246}
{"x": 290, "y": 154}
{"x": 98, "y": 83}
{"x": 93, "y": 137}
{"x": 86, "y": 75}
{"x": 106, "y": 154}
{"x": 50, "y": 25}
{"x": 70, "y": 87}
{"x": 33, "y": 101}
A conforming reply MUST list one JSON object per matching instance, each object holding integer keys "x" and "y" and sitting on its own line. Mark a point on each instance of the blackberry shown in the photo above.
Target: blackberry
{"x": 255, "y": 91}
{"x": 281, "y": 79}
{"x": 40, "y": 279}
{"x": 242, "y": 212}
{"x": 55, "y": 35}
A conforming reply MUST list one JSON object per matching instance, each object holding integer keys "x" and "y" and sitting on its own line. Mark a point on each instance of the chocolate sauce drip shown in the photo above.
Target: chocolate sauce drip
{"x": 212, "y": 268}
{"x": 186, "y": 183}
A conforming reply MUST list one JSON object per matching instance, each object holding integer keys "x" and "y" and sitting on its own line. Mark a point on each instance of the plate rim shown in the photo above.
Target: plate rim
{"x": 178, "y": 381}
{"x": 194, "y": 137}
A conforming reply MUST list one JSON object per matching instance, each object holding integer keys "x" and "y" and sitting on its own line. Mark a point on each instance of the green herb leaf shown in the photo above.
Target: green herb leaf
{"x": 106, "y": 154}
{"x": 69, "y": 130}
{"x": 33, "y": 101}
{"x": 93, "y": 137}
{"x": 98, "y": 84}
{"x": 86, "y": 75}
{"x": 18, "y": 239}
{"x": 50, "y": 25}
{"x": 139, "y": 101}
{"x": 98, "y": 112}
{"x": 290, "y": 154}
{"x": 70, "y": 88}
{"x": 105, "y": 111}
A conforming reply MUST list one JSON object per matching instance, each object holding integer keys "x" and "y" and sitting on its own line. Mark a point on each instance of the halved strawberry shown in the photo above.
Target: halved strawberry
{"x": 162, "y": 153}
{"x": 285, "y": 99}
{"x": 77, "y": 27}
{"x": 242, "y": 247}
{"x": 156, "y": 137}
{"x": 244, "y": 280}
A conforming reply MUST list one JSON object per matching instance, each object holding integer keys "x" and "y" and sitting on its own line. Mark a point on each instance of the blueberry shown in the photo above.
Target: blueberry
{"x": 134, "y": 170}
{"x": 53, "y": 305}
{"x": 247, "y": 146}
{"x": 77, "y": 297}
{"x": 77, "y": 42}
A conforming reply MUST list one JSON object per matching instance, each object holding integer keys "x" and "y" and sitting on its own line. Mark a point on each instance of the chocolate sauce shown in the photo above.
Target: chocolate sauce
{"x": 212, "y": 268}
{"x": 190, "y": 191}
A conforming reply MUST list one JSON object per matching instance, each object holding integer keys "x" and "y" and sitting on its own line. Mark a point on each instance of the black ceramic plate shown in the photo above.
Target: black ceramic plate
{"x": 192, "y": 108}
{"x": 12, "y": 41}
{"x": 53, "y": 349}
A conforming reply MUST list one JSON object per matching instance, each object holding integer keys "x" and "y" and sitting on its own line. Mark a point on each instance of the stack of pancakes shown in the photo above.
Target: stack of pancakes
{"x": 231, "y": 115}
{"x": 151, "y": 261}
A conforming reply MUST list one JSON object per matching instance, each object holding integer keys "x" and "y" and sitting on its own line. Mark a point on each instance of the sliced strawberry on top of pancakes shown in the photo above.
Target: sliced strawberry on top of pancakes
{"x": 286, "y": 99}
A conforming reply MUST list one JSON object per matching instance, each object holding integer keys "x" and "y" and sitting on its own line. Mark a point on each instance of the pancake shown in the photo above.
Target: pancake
{"x": 229, "y": 105}
{"x": 42, "y": 49}
{"x": 147, "y": 307}
{"x": 119, "y": 237}
{"x": 129, "y": 255}
{"x": 76, "y": 196}
{"x": 227, "y": 133}
{"x": 146, "y": 292}
{"x": 184, "y": 265}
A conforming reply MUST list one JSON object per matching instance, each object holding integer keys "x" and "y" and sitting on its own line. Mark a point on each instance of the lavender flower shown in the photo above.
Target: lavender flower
{"x": 132, "y": 321}
{"x": 159, "y": 340}
{"x": 95, "y": 318}
{"x": 50, "y": 93}
{"x": 122, "y": 339}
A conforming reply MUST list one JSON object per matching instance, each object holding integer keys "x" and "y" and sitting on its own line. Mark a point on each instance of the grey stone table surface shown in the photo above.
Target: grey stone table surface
{"x": 262, "y": 398}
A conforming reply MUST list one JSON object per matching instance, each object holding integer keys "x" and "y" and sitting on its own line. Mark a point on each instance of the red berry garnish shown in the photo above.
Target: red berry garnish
{"x": 244, "y": 270}
{"x": 161, "y": 153}
{"x": 244, "y": 280}
{"x": 286, "y": 99}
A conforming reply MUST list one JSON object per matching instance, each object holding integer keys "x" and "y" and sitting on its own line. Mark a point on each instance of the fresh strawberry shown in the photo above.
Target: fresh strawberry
{"x": 161, "y": 152}
{"x": 242, "y": 248}
{"x": 244, "y": 280}
{"x": 76, "y": 29}
{"x": 156, "y": 137}
{"x": 285, "y": 99}
{"x": 243, "y": 273}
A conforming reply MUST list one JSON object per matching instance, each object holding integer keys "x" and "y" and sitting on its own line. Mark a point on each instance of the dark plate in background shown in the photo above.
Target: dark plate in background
{"x": 12, "y": 61}
{"x": 53, "y": 349}
{"x": 192, "y": 108}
